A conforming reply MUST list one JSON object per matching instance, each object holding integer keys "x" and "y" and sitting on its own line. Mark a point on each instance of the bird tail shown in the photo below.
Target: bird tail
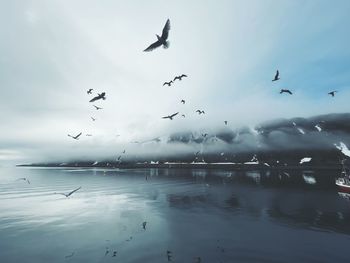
{"x": 167, "y": 44}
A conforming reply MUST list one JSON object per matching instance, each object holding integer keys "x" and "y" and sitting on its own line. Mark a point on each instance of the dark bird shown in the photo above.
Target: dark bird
{"x": 71, "y": 255}
{"x": 75, "y": 137}
{"x": 170, "y": 116}
{"x": 200, "y": 112}
{"x": 286, "y": 91}
{"x": 99, "y": 97}
{"x": 97, "y": 108}
{"x": 162, "y": 40}
{"x": 24, "y": 179}
{"x": 332, "y": 93}
{"x": 183, "y": 115}
{"x": 70, "y": 193}
{"x": 168, "y": 83}
{"x": 107, "y": 251}
{"x": 119, "y": 157}
{"x": 93, "y": 119}
{"x": 169, "y": 255}
{"x": 89, "y": 91}
{"x": 144, "y": 225}
{"x": 180, "y": 77}
{"x": 276, "y": 76}
{"x": 114, "y": 253}
{"x": 183, "y": 101}
{"x": 225, "y": 122}
{"x": 123, "y": 151}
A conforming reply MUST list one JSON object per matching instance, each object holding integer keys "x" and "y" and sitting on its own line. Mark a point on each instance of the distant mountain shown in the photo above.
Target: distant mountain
{"x": 319, "y": 140}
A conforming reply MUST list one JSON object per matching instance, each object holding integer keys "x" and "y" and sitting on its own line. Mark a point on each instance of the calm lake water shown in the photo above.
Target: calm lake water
{"x": 219, "y": 216}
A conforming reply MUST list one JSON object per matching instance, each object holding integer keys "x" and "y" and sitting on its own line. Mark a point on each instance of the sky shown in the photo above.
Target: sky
{"x": 52, "y": 52}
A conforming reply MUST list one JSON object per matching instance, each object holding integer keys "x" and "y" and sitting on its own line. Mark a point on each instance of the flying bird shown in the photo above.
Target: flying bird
{"x": 71, "y": 255}
{"x": 276, "y": 76}
{"x": 144, "y": 224}
{"x": 168, "y": 83}
{"x": 114, "y": 253}
{"x": 93, "y": 119}
{"x": 97, "y": 108}
{"x": 24, "y": 179}
{"x": 286, "y": 91}
{"x": 200, "y": 112}
{"x": 225, "y": 122}
{"x": 169, "y": 255}
{"x": 180, "y": 77}
{"x": 183, "y": 115}
{"x": 75, "y": 137}
{"x": 70, "y": 193}
{"x": 162, "y": 40}
{"x": 183, "y": 101}
{"x": 99, "y": 97}
{"x": 89, "y": 91}
{"x": 332, "y": 93}
{"x": 170, "y": 116}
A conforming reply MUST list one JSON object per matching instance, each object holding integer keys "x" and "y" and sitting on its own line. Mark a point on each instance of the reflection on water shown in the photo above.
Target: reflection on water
{"x": 220, "y": 216}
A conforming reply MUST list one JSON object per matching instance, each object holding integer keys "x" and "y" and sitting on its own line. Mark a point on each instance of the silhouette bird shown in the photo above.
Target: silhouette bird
{"x": 276, "y": 76}
{"x": 93, "y": 119}
{"x": 119, "y": 157}
{"x": 144, "y": 224}
{"x": 114, "y": 253}
{"x": 123, "y": 151}
{"x": 170, "y": 116}
{"x": 183, "y": 115}
{"x": 24, "y": 179}
{"x": 286, "y": 91}
{"x": 332, "y": 93}
{"x": 89, "y": 91}
{"x": 99, "y": 97}
{"x": 183, "y": 101}
{"x": 70, "y": 255}
{"x": 162, "y": 40}
{"x": 200, "y": 112}
{"x": 225, "y": 122}
{"x": 180, "y": 77}
{"x": 75, "y": 137}
{"x": 107, "y": 251}
{"x": 168, "y": 83}
{"x": 169, "y": 255}
{"x": 70, "y": 193}
{"x": 97, "y": 108}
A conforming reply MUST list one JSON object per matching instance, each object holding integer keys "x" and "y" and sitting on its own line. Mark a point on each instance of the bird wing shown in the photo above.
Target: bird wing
{"x": 183, "y": 75}
{"x": 78, "y": 135}
{"x": 277, "y": 74}
{"x": 174, "y": 114}
{"x": 74, "y": 191}
{"x": 165, "y": 83}
{"x": 177, "y": 77}
{"x": 95, "y": 98}
{"x": 153, "y": 46}
{"x": 166, "y": 117}
{"x": 166, "y": 29}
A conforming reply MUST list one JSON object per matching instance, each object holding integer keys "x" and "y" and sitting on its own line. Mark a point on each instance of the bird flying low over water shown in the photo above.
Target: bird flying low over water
{"x": 89, "y": 91}
{"x": 180, "y": 77}
{"x": 75, "y": 137}
{"x": 24, "y": 179}
{"x": 99, "y": 96}
{"x": 168, "y": 83}
{"x": 70, "y": 193}
{"x": 170, "y": 116}
{"x": 276, "y": 76}
{"x": 183, "y": 101}
{"x": 162, "y": 40}
{"x": 286, "y": 91}
{"x": 200, "y": 112}
{"x": 332, "y": 93}
{"x": 97, "y": 108}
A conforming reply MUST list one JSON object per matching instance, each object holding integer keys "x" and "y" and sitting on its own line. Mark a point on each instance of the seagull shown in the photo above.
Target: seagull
{"x": 97, "y": 108}
{"x": 24, "y": 179}
{"x": 70, "y": 193}
{"x": 99, "y": 96}
{"x": 200, "y": 112}
{"x": 114, "y": 253}
{"x": 168, "y": 253}
{"x": 168, "y": 83}
{"x": 170, "y": 116}
{"x": 93, "y": 119}
{"x": 286, "y": 91}
{"x": 89, "y": 91}
{"x": 332, "y": 93}
{"x": 144, "y": 224}
{"x": 180, "y": 77}
{"x": 75, "y": 137}
{"x": 276, "y": 76}
{"x": 123, "y": 151}
{"x": 162, "y": 40}
{"x": 119, "y": 157}
{"x": 183, "y": 101}
{"x": 225, "y": 122}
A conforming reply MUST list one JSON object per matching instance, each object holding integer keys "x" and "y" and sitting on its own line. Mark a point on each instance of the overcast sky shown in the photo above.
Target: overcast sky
{"x": 53, "y": 51}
